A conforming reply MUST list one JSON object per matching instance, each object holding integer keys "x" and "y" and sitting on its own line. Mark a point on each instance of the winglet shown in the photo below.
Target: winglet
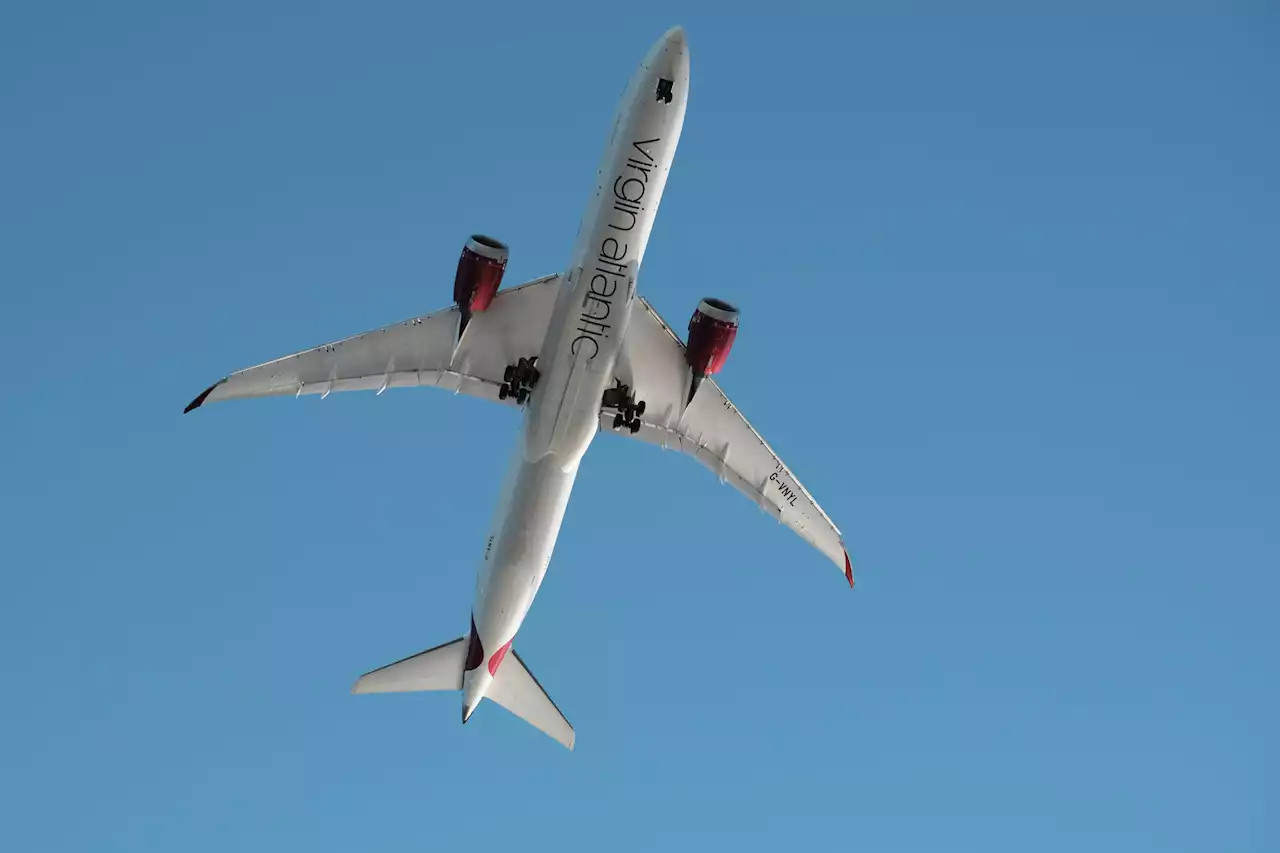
{"x": 848, "y": 569}
{"x": 195, "y": 404}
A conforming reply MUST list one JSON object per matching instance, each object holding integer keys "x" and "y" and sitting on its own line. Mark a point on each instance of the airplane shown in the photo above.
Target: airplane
{"x": 579, "y": 353}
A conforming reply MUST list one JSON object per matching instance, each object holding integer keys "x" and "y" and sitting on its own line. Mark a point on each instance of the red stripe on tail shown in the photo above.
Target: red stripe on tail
{"x": 496, "y": 660}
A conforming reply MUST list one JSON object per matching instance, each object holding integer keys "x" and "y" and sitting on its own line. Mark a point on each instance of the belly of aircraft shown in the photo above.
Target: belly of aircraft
{"x": 522, "y": 548}
{"x": 586, "y": 333}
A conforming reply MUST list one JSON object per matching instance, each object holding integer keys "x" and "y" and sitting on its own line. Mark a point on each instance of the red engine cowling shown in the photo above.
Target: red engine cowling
{"x": 479, "y": 276}
{"x": 712, "y": 329}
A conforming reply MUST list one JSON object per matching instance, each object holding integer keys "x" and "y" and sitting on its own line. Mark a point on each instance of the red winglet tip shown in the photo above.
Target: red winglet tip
{"x": 848, "y": 570}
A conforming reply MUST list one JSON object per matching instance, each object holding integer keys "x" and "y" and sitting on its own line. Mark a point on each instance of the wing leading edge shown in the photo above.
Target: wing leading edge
{"x": 713, "y": 431}
{"x": 419, "y": 351}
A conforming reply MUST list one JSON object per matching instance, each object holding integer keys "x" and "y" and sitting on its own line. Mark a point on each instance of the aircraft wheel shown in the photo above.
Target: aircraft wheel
{"x": 502, "y": 393}
{"x": 635, "y": 426}
{"x": 618, "y": 421}
{"x": 640, "y": 408}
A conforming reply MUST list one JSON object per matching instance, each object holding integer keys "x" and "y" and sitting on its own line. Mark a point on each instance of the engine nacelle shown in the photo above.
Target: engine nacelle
{"x": 711, "y": 332}
{"x": 479, "y": 276}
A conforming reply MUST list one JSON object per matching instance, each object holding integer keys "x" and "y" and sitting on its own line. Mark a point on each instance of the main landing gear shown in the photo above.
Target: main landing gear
{"x": 519, "y": 379}
{"x": 623, "y": 400}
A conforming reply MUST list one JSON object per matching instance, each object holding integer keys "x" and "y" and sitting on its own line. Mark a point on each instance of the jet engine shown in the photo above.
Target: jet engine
{"x": 712, "y": 329}
{"x": 479, "y": 275}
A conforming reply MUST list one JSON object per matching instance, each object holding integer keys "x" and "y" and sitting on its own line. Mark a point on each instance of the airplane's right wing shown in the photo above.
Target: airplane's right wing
{"x": 420, "y": 351}
{"x": 712, "y": 430}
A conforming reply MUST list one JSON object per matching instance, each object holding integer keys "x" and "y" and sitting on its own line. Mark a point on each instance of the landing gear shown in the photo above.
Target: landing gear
{"x": 627, "y": 411}
{"x": 519, "y": 379}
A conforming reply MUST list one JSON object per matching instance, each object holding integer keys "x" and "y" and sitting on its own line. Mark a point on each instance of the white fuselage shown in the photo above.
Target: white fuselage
{"x": 577, "y": 358}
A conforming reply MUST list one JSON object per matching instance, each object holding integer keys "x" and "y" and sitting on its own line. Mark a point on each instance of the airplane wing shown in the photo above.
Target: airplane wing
{"x": 417, "y": 351}
{"x": 713, "y": 431}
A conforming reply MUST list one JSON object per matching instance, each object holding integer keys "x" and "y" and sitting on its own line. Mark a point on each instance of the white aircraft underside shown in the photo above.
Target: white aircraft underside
{"x": 580, "y": 353}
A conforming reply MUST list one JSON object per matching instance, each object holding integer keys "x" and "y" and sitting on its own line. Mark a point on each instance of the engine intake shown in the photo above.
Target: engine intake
{"x": 479, "y": 275}
{"x": 712, "y": 329}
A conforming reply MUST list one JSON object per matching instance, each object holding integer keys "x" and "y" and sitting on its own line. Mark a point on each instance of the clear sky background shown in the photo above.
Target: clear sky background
{"x": 1009, "y": 294}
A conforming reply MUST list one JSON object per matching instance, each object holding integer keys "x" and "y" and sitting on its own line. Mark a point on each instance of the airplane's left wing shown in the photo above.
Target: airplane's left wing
{"x": 422, "y": 350}
{"x": 712, "y": 430}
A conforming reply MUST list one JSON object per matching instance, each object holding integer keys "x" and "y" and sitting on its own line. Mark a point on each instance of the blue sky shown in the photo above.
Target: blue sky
{"x": 1009, "y": 297}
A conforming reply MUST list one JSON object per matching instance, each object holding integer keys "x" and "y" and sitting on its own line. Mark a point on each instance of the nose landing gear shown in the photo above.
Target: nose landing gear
{"x": 519, "y": 380}
{"x": 627, "y": 410}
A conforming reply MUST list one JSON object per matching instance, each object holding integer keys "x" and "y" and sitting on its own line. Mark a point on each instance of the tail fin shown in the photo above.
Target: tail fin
{"x": 514, "y": 687}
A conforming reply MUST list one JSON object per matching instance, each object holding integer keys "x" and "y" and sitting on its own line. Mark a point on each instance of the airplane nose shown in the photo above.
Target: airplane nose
{"x": 674, "y": 39}
{"x": 466, "y": 712}
{"x": 669, "y": 59}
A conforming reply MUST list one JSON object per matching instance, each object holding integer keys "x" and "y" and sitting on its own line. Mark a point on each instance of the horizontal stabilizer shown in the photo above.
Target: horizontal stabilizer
{"x": 515, "y": 689}
{"x": 435, "y": 669}
{"x": 441, "y": 668}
